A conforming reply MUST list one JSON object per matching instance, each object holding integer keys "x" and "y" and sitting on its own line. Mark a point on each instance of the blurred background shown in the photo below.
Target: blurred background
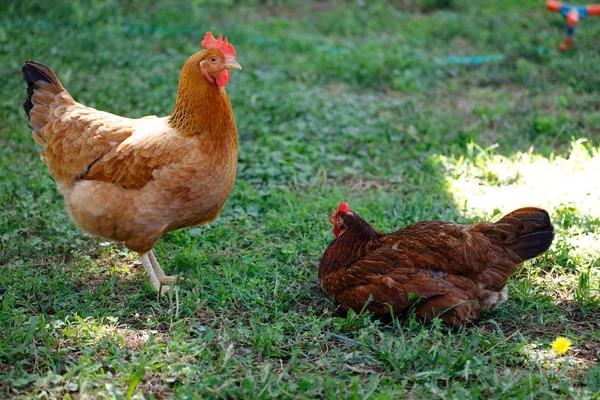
{"x": 409, "y": 110}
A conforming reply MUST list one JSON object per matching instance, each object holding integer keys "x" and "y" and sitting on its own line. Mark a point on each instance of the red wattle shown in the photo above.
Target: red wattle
{"x": 223, "y": 78}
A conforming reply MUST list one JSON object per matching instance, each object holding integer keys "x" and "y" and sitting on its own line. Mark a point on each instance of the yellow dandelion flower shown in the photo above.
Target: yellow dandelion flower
{"x": 561, "y": 345}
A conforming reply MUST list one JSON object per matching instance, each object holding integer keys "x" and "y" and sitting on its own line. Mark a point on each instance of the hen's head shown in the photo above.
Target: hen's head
{"x": 342, "y": 218}
{"x": 215, "y": 61}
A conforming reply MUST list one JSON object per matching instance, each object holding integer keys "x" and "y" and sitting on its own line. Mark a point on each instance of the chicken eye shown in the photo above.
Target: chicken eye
{"x": 214, "y": 59}
{"x": 339, "y": 221}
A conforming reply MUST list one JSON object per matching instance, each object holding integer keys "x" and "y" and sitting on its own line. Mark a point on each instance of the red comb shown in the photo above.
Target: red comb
{"x": 344, "y": 207}
{"x": 209, "y": 42}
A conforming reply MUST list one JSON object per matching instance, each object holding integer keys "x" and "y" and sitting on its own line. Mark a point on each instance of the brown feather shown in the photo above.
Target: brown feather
{"x": 457, "y": 270}
{"x": 132, "y": 180}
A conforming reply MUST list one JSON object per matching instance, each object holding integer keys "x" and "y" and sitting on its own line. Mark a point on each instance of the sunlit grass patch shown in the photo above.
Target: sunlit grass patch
{"x": 484, "y": 181}
{"x": 90, "y": 332}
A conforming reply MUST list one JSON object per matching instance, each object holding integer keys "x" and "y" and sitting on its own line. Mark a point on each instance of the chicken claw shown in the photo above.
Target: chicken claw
{"x": 154, "y": 281}
{"x": 164, "y": 289}
{"x": 160, "y": 274}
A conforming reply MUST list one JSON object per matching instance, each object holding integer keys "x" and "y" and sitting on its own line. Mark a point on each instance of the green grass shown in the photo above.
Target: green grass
{"x": 355, "y": 110}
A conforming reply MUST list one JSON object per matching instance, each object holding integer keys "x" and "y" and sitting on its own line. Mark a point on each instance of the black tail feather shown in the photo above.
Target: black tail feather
{"x": 33, "y": 72}
{"x": 534, "y": 244}
{"x": 526, "y": 231}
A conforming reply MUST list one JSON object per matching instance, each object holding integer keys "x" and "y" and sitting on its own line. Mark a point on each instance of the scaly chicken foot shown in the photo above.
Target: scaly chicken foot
{"x": 154, "y": 281}
{"x": 160, "y": 274}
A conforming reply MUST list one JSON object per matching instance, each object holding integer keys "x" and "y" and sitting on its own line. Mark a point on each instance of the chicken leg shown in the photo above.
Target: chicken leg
{"x": 154, "y": 281}
{"x": 160, "y": 274}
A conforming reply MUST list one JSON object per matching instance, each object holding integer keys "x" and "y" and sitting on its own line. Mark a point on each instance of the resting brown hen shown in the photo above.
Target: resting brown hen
{"x": 453, "y": 271}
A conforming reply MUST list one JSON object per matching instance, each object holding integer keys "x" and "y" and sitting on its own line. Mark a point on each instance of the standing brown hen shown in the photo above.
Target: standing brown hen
{"x": 132, "y": 180}
{"x": 456, "y": 271}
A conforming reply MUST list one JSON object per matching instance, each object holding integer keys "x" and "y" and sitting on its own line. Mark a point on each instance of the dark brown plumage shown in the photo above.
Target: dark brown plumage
{"x": 456, "y": 271}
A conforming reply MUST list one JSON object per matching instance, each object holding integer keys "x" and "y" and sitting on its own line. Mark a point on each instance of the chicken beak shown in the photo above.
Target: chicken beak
{"x": 233, "y": 65}
{"x": 336, "y": 231}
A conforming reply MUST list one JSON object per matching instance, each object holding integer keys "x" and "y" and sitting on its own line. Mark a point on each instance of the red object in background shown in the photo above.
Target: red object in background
{"x": 553, "y": 5}
{"x": 572, "y": 18}
{"x": 593, "y": 9}
{"x": 572, "y": 15}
